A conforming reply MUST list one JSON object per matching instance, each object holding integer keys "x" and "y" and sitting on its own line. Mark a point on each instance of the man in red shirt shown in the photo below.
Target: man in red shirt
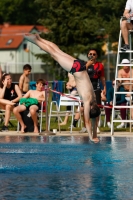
{"x": 96, "y": 73}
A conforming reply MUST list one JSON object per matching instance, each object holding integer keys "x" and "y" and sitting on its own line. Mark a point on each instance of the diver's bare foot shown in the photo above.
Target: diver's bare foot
{"x": 31, "y": 37}
{"x": 63, "y": 123}
{"x": 23, "y": 128}
{"x": 38, "y": 37}
{"x": 36, "y": 129}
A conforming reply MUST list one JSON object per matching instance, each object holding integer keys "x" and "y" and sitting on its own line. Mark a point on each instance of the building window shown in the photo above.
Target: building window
{"x": 24, "y": 46}
{"x": 9, "y": 41}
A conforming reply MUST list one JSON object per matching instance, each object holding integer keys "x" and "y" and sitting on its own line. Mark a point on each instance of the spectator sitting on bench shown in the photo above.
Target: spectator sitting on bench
{"x": 120, "y": 100}
{"x": 9, "y": 96}
{"x": 36, "y": 97}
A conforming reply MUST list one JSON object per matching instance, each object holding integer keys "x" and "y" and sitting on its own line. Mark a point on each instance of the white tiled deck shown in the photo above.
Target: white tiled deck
{"x": 67, "y": 133}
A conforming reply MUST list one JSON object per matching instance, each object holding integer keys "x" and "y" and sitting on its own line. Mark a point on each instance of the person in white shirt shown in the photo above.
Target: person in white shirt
{"x": 127, "y": 24}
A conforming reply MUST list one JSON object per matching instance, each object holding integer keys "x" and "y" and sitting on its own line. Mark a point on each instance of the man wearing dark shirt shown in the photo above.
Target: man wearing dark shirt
{"x": 120, "y": 100}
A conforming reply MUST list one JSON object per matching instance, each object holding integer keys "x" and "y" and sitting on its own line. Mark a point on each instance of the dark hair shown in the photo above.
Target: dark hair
{"x": 92, "y": 49}
{"x": 40, "y": 80}
{"x": 95, "y": 111}
{"x": 3, "y": 78}
{"x": 27, "y": 66}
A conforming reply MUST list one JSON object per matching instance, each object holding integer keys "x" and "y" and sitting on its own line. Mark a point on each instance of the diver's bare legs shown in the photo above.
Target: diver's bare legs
{"x": 65, "y": 60}
{"x": 81, "y": 78}
{"x": 53, "y": 45}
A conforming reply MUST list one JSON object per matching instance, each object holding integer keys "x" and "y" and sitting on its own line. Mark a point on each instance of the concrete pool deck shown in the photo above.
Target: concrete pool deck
{"x": 66, "y": 133}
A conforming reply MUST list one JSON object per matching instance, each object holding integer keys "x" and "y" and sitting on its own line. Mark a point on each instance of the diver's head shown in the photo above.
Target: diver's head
{"x": 94, "y": 111}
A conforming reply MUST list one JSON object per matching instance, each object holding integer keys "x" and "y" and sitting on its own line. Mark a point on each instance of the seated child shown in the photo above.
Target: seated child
{"x": 36, "y": 97}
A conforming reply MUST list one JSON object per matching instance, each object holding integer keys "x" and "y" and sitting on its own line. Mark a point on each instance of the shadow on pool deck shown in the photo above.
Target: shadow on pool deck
{"x": 67, "y": 133}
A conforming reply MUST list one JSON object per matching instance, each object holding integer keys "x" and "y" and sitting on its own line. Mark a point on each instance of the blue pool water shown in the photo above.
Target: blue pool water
{"x": 62, "y": 168}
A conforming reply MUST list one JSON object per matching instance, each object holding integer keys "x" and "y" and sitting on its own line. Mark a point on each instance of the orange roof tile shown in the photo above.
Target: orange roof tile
{"x": 16, "y": 34}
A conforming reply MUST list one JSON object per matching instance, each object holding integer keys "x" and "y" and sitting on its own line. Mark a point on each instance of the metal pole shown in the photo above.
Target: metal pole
{"x": 108, "y": 61}
{"x": 46, "y": 109}
{"x": 46, "y": 132}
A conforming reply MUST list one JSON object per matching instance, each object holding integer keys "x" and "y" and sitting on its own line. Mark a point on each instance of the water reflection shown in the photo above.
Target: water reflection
{"x": 45, "y": 139}
{"x": 65, "y": 168}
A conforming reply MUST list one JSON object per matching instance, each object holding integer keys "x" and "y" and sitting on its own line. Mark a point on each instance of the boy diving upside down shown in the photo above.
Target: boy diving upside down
{"x": 83, "y": 83}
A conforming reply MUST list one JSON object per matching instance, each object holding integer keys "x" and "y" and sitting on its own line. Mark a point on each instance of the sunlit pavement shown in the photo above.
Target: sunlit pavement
{"x": 67, "y": 133}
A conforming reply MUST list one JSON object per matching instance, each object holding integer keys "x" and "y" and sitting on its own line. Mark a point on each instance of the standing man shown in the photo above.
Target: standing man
{"x": 127, "y": 24}
{"x": 24, "y": 79}
{"x": 96, "y": 73}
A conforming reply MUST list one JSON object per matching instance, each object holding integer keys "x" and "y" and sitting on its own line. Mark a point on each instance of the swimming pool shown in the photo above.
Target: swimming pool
{"x": 62, "y": 168}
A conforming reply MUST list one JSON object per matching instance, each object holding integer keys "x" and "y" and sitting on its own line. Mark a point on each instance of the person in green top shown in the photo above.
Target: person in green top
{"x": 120, "y": 100}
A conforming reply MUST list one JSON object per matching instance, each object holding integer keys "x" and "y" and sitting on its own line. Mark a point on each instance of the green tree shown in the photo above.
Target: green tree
{"x": 20, "y": 12}
{"x": 75, "y": 26}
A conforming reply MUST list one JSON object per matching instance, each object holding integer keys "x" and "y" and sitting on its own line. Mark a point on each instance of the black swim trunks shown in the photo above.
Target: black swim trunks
{"x": 78, "y": 66}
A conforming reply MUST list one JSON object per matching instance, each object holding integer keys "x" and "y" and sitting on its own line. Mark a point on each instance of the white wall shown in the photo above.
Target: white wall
{"x": 13, "y": 60}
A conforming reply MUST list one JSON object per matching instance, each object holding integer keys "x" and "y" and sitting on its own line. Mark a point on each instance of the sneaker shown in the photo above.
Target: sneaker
{"x": 108, "y": 124}
{"x": 120, "y": 126}
{"x": 125, "y": 47}
{"x": 4, "y": 128}
{"x": 83, "y": 130}
{"x": 72, "y": 126}
{"x": 98, "y": 131}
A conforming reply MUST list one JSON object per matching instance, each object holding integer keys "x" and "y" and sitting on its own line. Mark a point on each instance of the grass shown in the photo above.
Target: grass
{"x": 54, "y": 123}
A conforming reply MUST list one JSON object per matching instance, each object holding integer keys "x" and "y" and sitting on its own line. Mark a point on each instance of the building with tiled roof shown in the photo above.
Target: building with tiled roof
{"x": 15, "y": 51}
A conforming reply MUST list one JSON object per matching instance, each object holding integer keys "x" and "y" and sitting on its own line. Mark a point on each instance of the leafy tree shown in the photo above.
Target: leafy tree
{"x": 20, "y": 12}
{"x": 75, "y": 26}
